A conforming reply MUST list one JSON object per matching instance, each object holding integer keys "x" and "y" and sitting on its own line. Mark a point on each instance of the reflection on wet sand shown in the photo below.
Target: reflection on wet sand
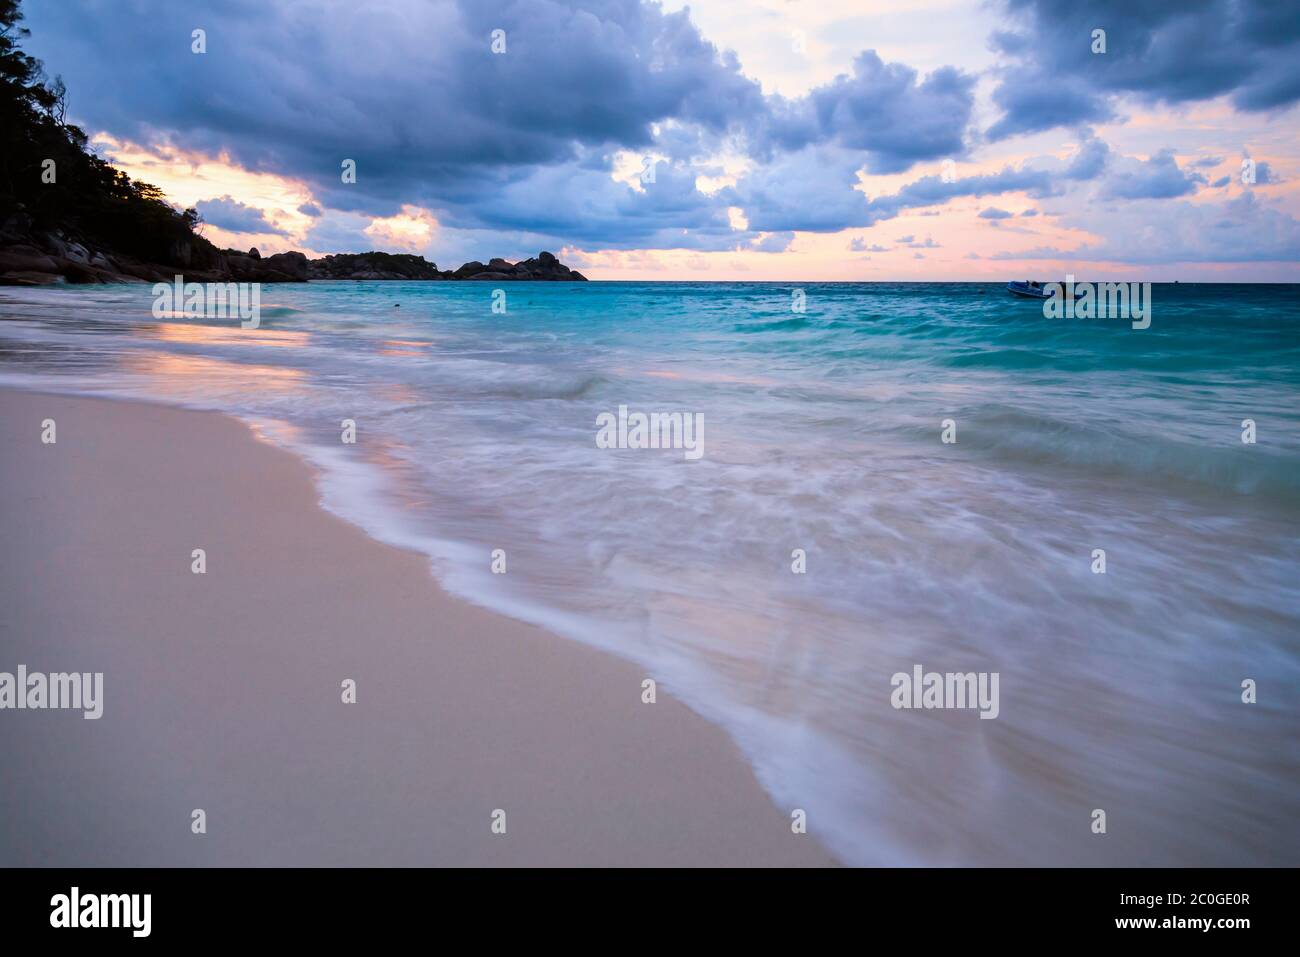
{"x": 199, "y": 334}
{"x": 403, "y": 347}
{"x": 174, "y": 376}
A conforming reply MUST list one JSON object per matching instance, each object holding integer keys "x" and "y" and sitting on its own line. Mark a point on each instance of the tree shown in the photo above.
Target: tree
{"x": 89, "y": 198}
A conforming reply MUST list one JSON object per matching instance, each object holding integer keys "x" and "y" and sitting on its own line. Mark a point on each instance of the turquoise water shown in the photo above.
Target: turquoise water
{"x": 822, "y": 432}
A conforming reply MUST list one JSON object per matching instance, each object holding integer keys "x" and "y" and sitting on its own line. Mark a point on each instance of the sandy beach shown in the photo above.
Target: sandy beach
{"x": 222, "y": 690}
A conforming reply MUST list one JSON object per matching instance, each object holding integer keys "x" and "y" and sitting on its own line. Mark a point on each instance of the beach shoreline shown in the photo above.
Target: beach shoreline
{"x": 223, "y": 691}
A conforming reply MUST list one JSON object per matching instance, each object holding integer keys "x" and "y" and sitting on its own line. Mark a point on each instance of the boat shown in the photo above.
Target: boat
{"x": 1029, "y": 290}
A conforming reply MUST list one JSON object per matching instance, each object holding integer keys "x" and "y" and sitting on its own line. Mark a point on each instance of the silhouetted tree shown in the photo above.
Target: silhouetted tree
{"x": 89, "y": 198}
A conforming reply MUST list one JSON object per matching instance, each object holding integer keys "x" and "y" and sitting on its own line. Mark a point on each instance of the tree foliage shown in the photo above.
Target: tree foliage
{"x": 89, "y": 197}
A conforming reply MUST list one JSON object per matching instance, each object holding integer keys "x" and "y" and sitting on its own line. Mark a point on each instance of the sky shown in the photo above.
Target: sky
{"x": 715, "y": 140}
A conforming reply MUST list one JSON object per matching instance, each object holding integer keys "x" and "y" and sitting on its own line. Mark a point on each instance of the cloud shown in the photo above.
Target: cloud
{"x": 1154, "y": 232}
{"x": 450, "y": 126}
{"x": 815, "y": 190}
{"x": 1157, "y": 51}
{"x": 508, "y": 153}
{"x": 811, "y": 190}
{"x": 995, "y": 214}
{"x": 409, "y": 89}
{"x": 1156, "y": 178}
{"x": 1039, "y": 252}
{"x": 880, "y": 109}
{"x": 233, "y": 216}
{"x": 339, "y": 233}
{"x": 1030, "y": 103}
{"x": 1090, "y": 159}
{"x": 579, "y": 203}
{"x": 1264, "y": 174}
{"x": 933, "y": 191}
{"x": 773, "y": 243}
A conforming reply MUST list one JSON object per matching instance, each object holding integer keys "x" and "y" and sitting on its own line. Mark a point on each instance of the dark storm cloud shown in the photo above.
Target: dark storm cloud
{"x": 411, "y": 91}
{"x": 1166, "y": 51}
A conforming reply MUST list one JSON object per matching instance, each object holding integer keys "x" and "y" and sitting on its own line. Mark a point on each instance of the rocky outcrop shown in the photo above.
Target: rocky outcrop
{"x": 282, "y": 267}
{"x": 542, "y": 268}
{"x": 373, "y": 265}
{"x": 47, "y": 259}
{"x": 549, "y": 269}
{"x": 32, "y": 258}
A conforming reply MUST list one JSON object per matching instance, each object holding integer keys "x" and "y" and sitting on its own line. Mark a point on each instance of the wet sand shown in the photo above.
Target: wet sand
{"x": 223, "y": 690}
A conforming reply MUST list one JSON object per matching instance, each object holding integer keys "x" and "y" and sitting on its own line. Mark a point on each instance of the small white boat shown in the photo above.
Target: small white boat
{"x": 1029, "y": 290}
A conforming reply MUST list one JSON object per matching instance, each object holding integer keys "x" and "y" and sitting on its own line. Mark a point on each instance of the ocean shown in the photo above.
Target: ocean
{"x": 827, "y": 537}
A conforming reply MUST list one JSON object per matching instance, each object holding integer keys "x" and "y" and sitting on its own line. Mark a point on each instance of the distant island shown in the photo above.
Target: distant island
{"x": 35, "y": 258}
{"x": 68, "y": 216}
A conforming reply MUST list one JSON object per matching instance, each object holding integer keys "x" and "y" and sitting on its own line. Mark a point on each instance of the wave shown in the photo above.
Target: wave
{"x": 1016, "y": 436}
{"x": 775, "y": 325}
{"x": 823, "y": 435}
